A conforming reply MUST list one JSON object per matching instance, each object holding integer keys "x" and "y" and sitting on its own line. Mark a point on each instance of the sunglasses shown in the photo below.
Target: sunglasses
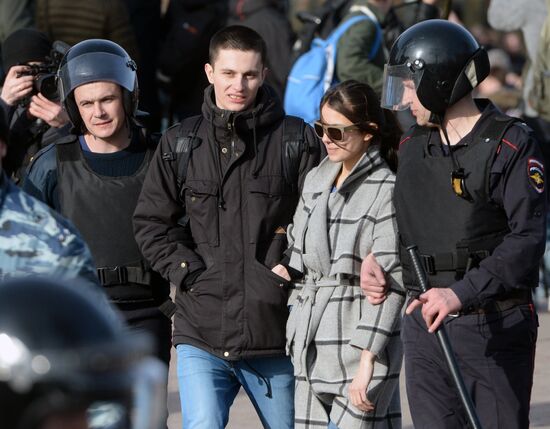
{"x": 334, "y": 132}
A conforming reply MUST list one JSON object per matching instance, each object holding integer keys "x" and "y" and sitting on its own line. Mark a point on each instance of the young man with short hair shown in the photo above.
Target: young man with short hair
{"x": 212, "y": 219}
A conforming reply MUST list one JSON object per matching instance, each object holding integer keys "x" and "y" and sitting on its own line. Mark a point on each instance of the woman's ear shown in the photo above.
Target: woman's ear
{"x": 367, "y": 138}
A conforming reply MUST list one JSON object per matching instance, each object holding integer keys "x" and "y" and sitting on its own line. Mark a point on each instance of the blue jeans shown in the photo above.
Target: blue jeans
{"x": 208, "y": 385}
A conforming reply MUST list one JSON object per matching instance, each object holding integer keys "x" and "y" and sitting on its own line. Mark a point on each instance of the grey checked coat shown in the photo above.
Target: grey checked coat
{"x": 331, "y": 321}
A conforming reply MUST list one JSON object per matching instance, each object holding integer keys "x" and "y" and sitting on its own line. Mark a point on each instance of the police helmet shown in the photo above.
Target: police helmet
{"x": 440, "y": 59}
{"x": 63, "y": 353}
{"x": 97, "y": 60}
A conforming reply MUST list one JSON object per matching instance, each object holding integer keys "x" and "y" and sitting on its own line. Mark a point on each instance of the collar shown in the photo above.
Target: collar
{"x": 323, "y": 177}
{"x": 487, "y": 109}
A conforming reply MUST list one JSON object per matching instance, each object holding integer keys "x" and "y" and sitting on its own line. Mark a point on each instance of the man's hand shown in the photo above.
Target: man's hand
{"x": 436, "y": 304}
{"x": 373, "y": 280}
{"x": 49, "y": 111}
{"x": 281, "y": 271}
{"x": 16, "y": 87}
{"x": 357, "y": 391}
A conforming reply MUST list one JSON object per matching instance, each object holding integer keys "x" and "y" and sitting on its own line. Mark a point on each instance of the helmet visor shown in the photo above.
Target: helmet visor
{"x": 400, "y": 85}
{"x": 94, "y": 67}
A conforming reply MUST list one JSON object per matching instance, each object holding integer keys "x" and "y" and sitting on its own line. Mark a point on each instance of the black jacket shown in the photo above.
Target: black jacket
{"x": 229, "y": 225}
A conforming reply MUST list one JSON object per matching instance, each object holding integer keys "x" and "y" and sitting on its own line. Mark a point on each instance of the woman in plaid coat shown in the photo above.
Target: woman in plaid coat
{"x": 346, "y": 352}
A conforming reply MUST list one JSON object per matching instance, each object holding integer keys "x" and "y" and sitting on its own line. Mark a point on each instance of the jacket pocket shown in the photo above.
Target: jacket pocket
{"x": 271, "y": 204}
{"x": 201, "y": 202}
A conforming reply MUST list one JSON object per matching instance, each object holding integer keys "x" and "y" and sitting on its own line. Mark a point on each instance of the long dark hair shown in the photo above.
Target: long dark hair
{"x": 359, "y": 103}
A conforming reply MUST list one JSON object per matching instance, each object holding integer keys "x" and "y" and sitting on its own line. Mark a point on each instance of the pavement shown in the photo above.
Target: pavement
{"x": 243, "y": 416}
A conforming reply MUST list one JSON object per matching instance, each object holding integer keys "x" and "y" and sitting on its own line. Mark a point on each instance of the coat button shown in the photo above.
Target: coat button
{"x": 224, "y": 150}
{"x": 226, "y": 354}
{"x": 183, "y": 264}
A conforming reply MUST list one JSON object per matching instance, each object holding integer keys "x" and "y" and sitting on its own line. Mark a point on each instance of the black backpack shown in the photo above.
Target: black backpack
{"x": 187, "y": 140}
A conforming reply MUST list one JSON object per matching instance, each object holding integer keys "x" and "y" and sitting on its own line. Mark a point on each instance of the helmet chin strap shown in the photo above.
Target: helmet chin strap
{"x": 458, "y": 176}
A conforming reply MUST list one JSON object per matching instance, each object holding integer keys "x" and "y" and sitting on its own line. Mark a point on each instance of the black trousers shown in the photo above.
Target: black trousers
{"x": 151, "y": 320}
{"x": 495, "y": 353}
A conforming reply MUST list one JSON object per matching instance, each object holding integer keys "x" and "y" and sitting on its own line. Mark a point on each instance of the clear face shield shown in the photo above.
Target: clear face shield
{"x": 117, "y": 394}
{"x": 400, "y": 85}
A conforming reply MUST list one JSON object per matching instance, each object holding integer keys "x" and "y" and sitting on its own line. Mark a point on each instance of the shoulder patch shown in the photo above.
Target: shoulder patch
{"x": 535, "y": 172}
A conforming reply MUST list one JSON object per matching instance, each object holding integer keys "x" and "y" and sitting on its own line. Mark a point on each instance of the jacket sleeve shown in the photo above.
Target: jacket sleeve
{"x": 352, "y": 60}
{"x": 41, "y": 178}
{"x": 162, "y": 239}
{"x": 378, "y": 321}
{"x": 514, "y": 263}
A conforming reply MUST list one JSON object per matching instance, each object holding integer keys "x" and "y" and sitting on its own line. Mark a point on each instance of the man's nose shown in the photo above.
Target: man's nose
{"x": 98, "y": 109}
{"x": 239, "y": 83}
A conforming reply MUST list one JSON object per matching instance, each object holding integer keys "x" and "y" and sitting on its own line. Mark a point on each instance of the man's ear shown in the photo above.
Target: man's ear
{"x": 265, "y": 72}
{"x": 209, "y": 70}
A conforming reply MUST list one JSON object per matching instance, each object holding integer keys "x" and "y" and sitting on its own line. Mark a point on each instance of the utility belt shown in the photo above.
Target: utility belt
{"x": 460, "y": 261}
{"x": 447, "y": 267}
{"x": 140, "y": 279}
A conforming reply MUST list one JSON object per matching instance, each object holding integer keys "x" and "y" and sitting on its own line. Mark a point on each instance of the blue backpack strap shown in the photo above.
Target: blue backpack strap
{"x": 365, "y": 11}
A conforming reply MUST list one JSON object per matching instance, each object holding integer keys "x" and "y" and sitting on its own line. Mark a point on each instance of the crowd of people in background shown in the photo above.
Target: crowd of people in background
{"x": 149, "y": 146}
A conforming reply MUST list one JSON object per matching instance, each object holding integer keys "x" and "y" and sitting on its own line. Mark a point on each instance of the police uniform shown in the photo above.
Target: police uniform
{"x": 98, "y": 193}
{"x": 486, "y": 247}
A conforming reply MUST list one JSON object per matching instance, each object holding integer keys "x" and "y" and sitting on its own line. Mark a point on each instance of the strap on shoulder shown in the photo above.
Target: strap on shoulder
{"x": 497, "y": 127}
{"x": 186, "y": 141}
{"x": 294, "y": 146}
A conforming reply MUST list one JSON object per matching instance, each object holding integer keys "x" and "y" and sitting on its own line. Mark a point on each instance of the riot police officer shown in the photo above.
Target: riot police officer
{"x": 470, "y": 193}
{"x": 94, "y": 176}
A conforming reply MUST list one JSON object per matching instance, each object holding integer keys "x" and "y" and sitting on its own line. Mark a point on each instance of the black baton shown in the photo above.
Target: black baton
{"x": 443, "y": 339}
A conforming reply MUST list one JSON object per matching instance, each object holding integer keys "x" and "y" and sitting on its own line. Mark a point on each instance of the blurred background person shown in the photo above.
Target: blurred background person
{"x": 29, "y": 98}
{"x": 269, "y": 18}
{"x": 527, "y": 17}
{"x": 496, "y": 88}
{"x": 187, "y": 28}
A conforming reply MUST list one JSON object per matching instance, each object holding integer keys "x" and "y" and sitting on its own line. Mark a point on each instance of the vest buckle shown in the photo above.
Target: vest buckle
{"x": 112, "y": 275}
{"x": 429, "y": 263}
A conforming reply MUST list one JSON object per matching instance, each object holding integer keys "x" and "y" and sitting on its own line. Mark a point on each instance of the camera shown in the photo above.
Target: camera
{"x": 45, "y": 74}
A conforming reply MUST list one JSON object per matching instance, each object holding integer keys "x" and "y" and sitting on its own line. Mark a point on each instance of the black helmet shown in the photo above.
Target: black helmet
{"x": 97, "y": 60}
{"x": 441, "y": 59}
{"x": 63, "y": 352}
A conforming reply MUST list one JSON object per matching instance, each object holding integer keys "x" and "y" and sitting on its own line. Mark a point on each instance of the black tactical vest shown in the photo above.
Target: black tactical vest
{"x": 452, "y": 234}
{"x": 102, "y": 208}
